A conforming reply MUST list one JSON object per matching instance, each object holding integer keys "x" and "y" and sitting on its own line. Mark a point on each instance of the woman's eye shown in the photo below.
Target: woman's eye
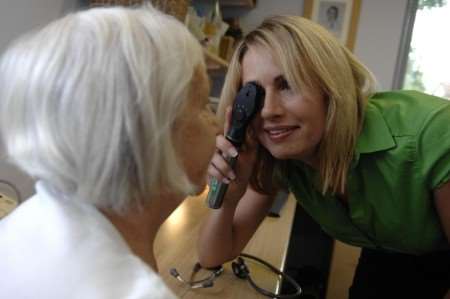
{"x": 283, "y": 85}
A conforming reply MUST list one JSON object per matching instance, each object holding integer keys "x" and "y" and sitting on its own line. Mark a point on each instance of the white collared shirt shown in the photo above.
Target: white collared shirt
{"x": 51, "y": 247}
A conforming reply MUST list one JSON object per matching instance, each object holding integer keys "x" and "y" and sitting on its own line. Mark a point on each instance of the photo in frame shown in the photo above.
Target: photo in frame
{"x": 340, "y": 17}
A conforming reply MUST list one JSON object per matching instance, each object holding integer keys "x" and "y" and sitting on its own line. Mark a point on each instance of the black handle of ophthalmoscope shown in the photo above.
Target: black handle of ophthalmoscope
{"x": 248, "y": 102}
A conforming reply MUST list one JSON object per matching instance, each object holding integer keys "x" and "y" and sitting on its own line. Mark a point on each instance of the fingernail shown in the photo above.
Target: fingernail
{"x": 232, "y": 176}
{"x": 233, "y": 152}
{"x": 226, "y": 181}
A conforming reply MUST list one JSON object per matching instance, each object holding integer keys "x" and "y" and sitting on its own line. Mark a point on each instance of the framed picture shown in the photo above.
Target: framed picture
{"x": 340, "y": 17}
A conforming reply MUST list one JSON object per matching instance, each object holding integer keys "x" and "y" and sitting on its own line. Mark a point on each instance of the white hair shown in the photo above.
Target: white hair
{"x": 88, "y": 103}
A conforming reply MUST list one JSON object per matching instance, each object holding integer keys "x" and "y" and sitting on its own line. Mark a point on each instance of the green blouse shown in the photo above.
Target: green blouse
{"x": 402, "y": 155}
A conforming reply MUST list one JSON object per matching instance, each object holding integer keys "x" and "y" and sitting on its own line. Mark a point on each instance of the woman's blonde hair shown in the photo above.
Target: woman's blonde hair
{"x": 310, "y": 59}
{"x": 89, "y": 101}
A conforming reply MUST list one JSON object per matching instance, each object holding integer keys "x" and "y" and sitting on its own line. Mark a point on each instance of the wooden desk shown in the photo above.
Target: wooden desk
{"x": 175, "y": 246}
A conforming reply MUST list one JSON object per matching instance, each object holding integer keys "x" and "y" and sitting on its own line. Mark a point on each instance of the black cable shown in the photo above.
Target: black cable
{"x": 276, "y": 271}
{"x": 240, "y": 269}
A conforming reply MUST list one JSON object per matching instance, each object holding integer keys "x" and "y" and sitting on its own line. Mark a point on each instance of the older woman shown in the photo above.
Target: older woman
{"x": 373, "y": 169}
{"x": 103, "y": 108}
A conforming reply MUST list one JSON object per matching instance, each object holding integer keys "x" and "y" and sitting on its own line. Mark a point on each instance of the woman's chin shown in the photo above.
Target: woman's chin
{"x": 280, "y": 155}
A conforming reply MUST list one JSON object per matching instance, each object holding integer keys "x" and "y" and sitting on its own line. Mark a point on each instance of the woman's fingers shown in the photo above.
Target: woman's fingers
{"x": 225, "y": 147}
{"x": 215, "y": 173}
{"x": 219, "y": 167}
{"x": 227, "y": 120}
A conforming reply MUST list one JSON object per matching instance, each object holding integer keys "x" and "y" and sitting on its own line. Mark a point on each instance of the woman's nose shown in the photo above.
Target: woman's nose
{"x": 272, "y": 106}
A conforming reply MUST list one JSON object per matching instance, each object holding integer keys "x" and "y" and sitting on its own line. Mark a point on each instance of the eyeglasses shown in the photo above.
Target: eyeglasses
{"x": 241, "y": 271}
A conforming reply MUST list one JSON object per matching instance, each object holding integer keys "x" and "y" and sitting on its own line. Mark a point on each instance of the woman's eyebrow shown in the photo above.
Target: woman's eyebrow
{"x": 279, "y": 79}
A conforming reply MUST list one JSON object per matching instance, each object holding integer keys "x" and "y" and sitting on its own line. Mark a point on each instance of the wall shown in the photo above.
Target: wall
{"x": 378, "y": 35}
{"x": 19, "y": 16}
{"x": 16, "y": 18}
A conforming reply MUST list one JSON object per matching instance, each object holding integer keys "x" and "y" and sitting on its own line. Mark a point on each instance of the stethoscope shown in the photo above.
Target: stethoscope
{"x": 241, "y": 271}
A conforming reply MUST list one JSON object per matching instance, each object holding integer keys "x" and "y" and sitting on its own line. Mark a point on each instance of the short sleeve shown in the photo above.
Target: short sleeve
{"x": 434, "y": 147}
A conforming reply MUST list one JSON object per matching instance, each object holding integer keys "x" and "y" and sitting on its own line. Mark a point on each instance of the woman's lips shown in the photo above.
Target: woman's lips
{"x": 279, "y": 134}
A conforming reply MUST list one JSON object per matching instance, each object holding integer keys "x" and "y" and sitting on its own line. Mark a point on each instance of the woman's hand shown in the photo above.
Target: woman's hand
{"x": 219, "y": 168}
{"x": 227, "y": 230}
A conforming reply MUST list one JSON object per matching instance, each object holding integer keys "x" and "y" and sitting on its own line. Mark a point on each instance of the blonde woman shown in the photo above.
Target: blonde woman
{"x": 372, "y": 169}
{"x": 103, "y": 108}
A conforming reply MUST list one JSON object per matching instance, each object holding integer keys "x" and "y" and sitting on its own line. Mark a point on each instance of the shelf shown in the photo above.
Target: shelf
{"x": 238, "y": 3}
{"x": 214, "y": 62}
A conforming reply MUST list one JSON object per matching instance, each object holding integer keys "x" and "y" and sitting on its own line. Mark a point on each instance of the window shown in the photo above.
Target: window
{"x": 424, "y": 58}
